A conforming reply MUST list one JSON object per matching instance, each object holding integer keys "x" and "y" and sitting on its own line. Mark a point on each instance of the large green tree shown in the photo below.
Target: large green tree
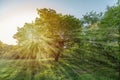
{"x": 50, "y": 33}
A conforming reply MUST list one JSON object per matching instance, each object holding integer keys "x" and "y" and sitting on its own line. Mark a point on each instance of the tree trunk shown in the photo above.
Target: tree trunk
{"x": 60, "y": 45}
{"x": 57, "y": 56}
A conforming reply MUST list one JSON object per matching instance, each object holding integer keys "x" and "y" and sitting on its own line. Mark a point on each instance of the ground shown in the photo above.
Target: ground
{"x": 47, "y": 70}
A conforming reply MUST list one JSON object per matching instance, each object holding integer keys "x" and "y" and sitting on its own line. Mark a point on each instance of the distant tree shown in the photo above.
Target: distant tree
{"x": 5, "y": 50}
{"x": 91, "y": 18}
{"x": 1, "y": 48}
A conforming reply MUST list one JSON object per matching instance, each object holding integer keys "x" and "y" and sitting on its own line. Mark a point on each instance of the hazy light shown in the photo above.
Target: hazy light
{"x": 8, "y": 26}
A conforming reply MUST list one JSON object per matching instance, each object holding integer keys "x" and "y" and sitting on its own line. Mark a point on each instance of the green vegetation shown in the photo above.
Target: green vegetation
{"x": 62, "y": 47}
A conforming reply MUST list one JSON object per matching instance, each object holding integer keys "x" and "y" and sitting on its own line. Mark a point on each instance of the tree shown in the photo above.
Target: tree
{"x": 91, "y": 18}
{"x": 111, "y": 26}
{"x": 49, "y": 34}
{"x": 5, "y": 50}
{"x": 2, "y": 47}
{"x": 101, "y": 40}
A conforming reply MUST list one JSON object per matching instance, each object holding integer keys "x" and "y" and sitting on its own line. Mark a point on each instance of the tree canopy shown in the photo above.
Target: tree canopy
{"x": 50, "y": 33}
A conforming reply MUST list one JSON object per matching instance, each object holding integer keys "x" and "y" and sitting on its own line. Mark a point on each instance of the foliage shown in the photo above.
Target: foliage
{"x": 49, "y": 34}
{"x": 88, "y": 47}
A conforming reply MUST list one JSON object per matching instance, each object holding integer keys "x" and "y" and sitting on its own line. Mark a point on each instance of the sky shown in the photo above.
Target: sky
{"x": 14, "y": 13}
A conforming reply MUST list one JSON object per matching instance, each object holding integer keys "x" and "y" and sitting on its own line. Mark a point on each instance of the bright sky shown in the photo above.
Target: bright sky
{"x": 14, "y": 13}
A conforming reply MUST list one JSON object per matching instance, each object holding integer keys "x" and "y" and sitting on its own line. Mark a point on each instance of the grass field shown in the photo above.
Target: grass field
{"x": 48, "y": 70}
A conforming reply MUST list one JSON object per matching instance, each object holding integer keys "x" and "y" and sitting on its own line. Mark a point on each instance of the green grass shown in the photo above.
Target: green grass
{"x": 47, "y": 70}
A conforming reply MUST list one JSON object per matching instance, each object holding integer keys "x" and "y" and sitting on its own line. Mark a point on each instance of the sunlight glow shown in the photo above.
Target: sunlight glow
{"x": 8, "y": 26}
